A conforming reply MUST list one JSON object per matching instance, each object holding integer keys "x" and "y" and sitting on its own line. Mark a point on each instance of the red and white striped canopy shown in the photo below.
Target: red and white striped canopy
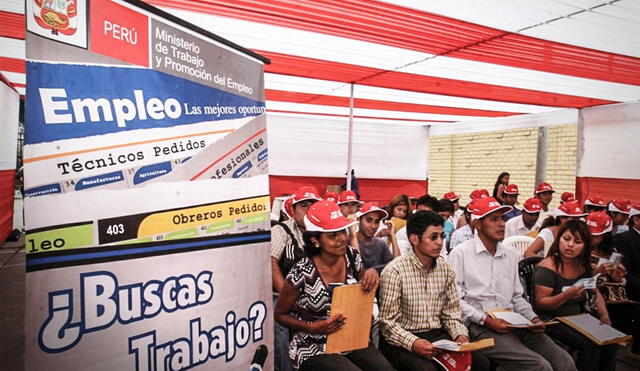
{"x": 415, "y": 61}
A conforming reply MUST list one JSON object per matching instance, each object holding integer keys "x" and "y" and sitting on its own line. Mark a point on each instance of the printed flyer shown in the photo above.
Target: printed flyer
{"x": 146, "y": 192}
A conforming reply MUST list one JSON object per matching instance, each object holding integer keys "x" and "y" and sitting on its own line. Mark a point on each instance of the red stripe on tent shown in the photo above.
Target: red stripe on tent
{"x": 376, "y": 190}
{"x": 12, "y": 65}
{"x": 608, "y": 188}
{"x": 329, "y": 100}
{"x": 12, "y": 25}
{"x": 355, "y": 116}
{"x": 7, "y": 178}
{"x": 315, "y": 68}
{"x": 407, "y": 28}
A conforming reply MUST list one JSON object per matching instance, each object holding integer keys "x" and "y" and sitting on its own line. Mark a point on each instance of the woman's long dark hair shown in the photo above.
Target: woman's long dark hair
{"x": 577, "y": 228}
{"x": 551, "y": 221}
{"x": 309, "y": 249}
{"x": 498, "y": 182}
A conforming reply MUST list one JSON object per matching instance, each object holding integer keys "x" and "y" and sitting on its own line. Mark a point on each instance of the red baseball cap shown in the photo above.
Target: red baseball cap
{"x": 599, "y": 222}
{"x": 620, "y": 205}
{"x": 512, "y": 189}
{"x": 306, "y": 193}
{"x": 567, "y": 196}
{"x": 288, "y": 207}
{"x": 370, "y": 207}
{"x": 331, "y": 196}
{"x": 485, "y": 206}
{"x": 593, "y": 200}
{"x": 451, "y": 196}
{"x": 571, "y": 208}
{"x": 532, "y": 205}
{"x": 325, "y": 216}
{"x": 544, "y": 187}
{"x": 479, "y": 193}
{"x": 348, "y": 196}
{"x": 635, "y": 209}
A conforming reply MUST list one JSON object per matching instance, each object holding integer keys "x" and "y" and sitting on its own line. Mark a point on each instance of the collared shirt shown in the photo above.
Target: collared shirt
{"x": 460, "y": 235}
{"x": 280, "y": 239}
{"x": 414, "y": 299}
{"x": 515, "y": 227}
{"x": 487, "y": 282}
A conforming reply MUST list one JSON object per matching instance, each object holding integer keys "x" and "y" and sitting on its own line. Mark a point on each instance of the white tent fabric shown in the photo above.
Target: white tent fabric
{"x": 9, "y": 109}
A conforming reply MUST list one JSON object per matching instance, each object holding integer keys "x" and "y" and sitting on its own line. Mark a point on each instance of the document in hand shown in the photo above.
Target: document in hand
{"x": 452, "y": 346}
{"x": 591, "y": 327}
{"x": 357, "y": 305}
{"x": 587, "y": 283}
{"x": 515, "y": 319}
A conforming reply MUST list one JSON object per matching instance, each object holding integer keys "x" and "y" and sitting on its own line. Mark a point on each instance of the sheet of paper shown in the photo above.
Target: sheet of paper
{"x": 513, "y": 318}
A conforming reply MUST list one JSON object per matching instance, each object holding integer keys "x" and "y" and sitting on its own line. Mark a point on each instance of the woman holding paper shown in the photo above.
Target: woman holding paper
{"x": 305, "y": 300}
{"x": 562, "y": 280}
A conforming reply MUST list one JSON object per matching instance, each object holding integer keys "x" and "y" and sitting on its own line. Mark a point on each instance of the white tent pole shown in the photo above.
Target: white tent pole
{"x": 350, "y": 143}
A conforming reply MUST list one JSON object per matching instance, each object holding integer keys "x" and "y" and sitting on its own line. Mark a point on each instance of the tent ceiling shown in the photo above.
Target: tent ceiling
{"x": 420, "y": 61}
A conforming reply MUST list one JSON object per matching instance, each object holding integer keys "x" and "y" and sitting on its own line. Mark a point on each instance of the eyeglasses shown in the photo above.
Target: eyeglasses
{"x": 434, "y": 236}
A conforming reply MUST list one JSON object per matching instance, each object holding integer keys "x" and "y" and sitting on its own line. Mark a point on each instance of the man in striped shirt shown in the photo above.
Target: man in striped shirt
{"x": 418, "y": 298}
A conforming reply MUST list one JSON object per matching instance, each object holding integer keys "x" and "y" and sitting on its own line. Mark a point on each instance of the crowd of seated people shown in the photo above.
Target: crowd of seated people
{"x": 439, "y": 270}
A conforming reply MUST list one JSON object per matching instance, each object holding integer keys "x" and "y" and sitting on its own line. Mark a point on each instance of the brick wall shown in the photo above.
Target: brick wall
{"x": 464, "y": 162}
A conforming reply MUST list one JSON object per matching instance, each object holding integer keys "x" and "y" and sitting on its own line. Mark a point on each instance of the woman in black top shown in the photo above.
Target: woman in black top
{"x": 556, "y": 295}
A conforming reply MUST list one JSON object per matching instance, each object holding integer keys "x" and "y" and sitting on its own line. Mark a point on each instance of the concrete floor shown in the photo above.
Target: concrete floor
{"x": 12, "y": 301}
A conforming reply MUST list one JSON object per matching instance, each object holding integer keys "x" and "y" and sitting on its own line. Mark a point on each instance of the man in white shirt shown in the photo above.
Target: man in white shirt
{"x": 526, "y": 223}
{"x": 487, "y": 279}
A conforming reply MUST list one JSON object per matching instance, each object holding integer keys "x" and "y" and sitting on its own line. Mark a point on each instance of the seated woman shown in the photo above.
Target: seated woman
{"x": 305, "y": 300}
{"x": 556, "y": 295}
{"x": 550, "y": 226}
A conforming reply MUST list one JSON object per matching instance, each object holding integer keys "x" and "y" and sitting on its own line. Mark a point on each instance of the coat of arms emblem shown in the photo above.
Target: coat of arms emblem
{"x": 57, "y": 15}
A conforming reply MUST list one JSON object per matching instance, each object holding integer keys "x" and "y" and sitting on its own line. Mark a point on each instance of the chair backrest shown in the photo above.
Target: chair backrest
{"x": 518, "y": 243}
{"x": 526, "y": 270}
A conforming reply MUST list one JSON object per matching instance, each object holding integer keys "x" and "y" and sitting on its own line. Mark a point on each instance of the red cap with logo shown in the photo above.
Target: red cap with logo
{"x": 567, "y": 196}
{"x": 306, "y": 193}
{"x": 512, "y": 189}
{"x": 571, "y": 208}
{"x": 331, "y": 196}
{"x": 599, "y": 222}
{"x": 544, "y": 187}
{"x": 532, "y": 205}
{"x": 485, "y": 206}
{"x": 370, "y": 207}
{"x": 635, "y": 209}
{"x": 325, "y": 216}
{"x": 451, "y": 196}
{"x": 288, "y": 207}
{"x": 621, "y": 206}
{"x": 594, "y": 200}
{"x": 348, "y": 196}
{"x": 478, "y": 194}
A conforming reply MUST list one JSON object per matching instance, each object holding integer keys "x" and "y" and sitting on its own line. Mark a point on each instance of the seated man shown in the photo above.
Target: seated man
{"x": 418, "y": 299}
{"x": 527, "y": 223}
{"x": 374, "y": 251}
{"x": 487, "y": 278}
{"x": 510, "y": 197}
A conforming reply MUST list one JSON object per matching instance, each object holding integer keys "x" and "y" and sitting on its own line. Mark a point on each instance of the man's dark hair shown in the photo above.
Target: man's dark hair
{"x": 428, "y": 201}
{"x": 421, "y": 220}
{"x": 445, "y": 205}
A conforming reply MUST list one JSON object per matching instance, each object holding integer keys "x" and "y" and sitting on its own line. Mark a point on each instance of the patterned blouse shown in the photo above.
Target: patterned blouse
{"x": 313, "y": 304}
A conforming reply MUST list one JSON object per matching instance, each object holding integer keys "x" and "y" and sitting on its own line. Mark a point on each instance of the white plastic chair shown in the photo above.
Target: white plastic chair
{"x": 518, "y": 244}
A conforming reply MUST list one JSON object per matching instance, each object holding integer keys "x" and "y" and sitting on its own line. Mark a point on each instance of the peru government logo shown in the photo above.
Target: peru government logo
{"x": 59, "y": 16}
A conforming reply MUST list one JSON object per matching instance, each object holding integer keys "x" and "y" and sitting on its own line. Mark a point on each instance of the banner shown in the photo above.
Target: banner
{"x": 147, "y": 207}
